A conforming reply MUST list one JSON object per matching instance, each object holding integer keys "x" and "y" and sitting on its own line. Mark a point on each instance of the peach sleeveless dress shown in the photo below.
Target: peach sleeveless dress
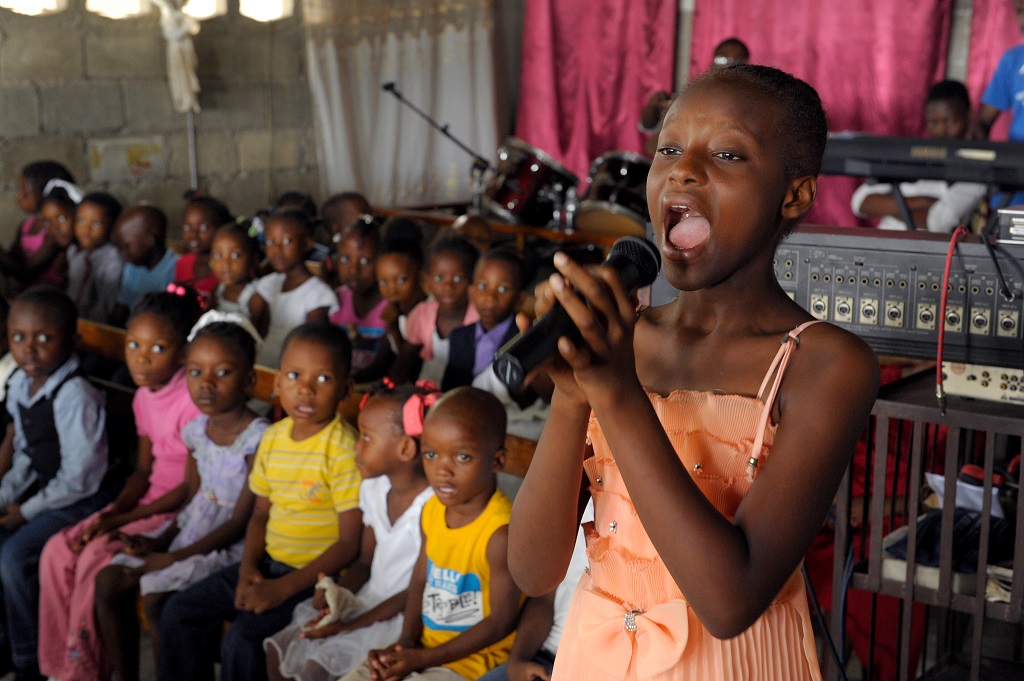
{"x": 628, "y": 619}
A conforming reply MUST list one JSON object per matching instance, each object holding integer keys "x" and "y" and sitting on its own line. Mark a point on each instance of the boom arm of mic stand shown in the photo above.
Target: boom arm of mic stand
{"x": 478, "y": 160}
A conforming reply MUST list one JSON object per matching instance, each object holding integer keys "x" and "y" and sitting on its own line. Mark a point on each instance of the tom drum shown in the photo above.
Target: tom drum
{"x": 530, "y": 187}
{"x": 616, "y": 200}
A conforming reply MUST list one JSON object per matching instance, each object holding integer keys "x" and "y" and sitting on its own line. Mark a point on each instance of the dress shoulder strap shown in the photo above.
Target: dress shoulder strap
{"x": 790, "y": 342}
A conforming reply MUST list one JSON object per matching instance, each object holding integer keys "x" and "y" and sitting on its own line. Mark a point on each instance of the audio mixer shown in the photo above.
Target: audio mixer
{"x": 886, "y": 287}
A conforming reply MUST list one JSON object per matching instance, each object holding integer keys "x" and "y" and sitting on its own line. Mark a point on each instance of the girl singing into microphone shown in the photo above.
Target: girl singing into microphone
{"x": 711, "y": 450}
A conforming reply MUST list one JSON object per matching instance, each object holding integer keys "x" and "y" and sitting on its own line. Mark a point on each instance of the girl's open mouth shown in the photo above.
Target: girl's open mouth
{"x": 685, "y": 228}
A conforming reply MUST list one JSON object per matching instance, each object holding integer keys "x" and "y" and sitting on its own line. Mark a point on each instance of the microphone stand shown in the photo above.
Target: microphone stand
{"x": 480, "y": 164}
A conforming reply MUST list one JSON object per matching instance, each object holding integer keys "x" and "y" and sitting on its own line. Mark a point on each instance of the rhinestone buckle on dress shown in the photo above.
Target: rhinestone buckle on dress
{"x": 629, "y": 621}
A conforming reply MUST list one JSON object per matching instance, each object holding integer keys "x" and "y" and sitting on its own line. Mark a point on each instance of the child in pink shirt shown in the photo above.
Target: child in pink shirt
{"x": 360, "y": 303}
{"x": 69, "y": 642}
{"x": 449, "y": 271}
{"x": 30, "y": 257}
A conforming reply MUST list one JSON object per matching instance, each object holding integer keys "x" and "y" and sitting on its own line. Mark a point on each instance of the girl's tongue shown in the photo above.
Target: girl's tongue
{"x": 689, "y": 232}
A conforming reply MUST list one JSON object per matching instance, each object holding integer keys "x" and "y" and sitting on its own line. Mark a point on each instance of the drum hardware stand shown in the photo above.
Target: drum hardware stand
{"x": 480, "y": 164}
{"x": 561, "y": 208}
{"x": 478, "y": 171}
{"x": 552, "y": 194}
{"x": 565, "y": 211}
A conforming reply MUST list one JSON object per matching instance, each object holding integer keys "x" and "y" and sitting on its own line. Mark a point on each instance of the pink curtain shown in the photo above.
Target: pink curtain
{"x": 588, "y": 68}
{"x": 993, "y": 31}
{"x": 871, "y": 61}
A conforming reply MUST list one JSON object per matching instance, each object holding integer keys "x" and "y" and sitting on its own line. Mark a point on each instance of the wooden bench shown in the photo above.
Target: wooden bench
{"x": 102, "y": 339}
{"x": 518, "y": 455}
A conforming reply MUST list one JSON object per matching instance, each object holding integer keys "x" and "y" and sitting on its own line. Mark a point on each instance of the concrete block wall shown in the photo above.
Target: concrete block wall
{"x": 75, "y": 78}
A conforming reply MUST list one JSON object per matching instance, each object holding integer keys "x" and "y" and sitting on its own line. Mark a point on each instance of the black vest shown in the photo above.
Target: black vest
{"x": 462, "y": 357}
{"x": 42, "y": 446}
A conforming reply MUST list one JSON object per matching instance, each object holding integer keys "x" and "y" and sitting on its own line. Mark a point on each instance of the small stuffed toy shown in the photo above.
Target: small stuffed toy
{"x": 341, "y": 603}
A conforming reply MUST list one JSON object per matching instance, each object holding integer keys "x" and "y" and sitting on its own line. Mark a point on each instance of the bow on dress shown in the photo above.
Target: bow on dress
{"x": 609, "y": 631}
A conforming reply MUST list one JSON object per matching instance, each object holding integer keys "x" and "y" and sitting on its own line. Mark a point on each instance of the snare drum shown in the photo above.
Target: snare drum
{"x": 530, "y": 188}
{"x": 616, "y": 200}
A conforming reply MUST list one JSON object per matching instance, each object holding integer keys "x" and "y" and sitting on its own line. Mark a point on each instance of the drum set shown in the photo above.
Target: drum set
{"x": 532, "y": 188}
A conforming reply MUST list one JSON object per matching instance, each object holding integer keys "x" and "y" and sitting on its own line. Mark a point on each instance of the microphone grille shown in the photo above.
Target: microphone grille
{"x": 641, "y": 253}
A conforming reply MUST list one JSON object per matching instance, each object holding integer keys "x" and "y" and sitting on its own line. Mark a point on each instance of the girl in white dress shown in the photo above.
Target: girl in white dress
{"x": 234, "y": 258}
{"x": 290, "y": 295}
{"x": 324, "y": 643}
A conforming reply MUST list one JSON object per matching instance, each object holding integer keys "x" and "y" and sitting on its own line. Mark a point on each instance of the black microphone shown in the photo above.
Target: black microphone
{"x": 389, "y": 86}
{"x": 636, "y": 260}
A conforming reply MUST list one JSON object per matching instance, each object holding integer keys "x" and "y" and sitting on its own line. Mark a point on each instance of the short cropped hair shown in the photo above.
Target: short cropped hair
{"x": 458, "y": 246}
{"x": 57, "y": 305}
{"x": 802, "y": 121}
{"x": 331, "y": 210}
{"x": 151, "y": 217}
{"x": 110, "y": 206}
{"x": 213, "y": 207}
{"x": 952, "y": 91}
{"x": 296, "y": 200}
{"x": 327, "y": 335}
{"x": 482, "y": 408}
{"x": 296, "y": 217}
{"x": 514, "y": 261}
{"x": 734, "y": 42}
{"x": 410, "y": 248}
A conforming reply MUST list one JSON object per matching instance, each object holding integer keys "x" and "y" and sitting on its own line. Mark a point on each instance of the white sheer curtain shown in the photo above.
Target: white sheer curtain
{"x": 440, "y": 56}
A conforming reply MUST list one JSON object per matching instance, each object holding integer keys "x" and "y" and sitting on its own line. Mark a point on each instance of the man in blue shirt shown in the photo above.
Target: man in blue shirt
{"x": 1005, "y": 92}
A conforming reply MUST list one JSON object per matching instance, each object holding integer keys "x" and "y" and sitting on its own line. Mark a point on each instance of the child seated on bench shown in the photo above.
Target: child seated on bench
{"x": 154, "y": 349}
{"x": 60, "y": 458}
{"x": 306, "y": 521}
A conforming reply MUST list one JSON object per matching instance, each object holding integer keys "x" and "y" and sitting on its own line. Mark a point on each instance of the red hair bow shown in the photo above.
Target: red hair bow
{"x": 415, "y": 409}
{"x": 184, "y": 291}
